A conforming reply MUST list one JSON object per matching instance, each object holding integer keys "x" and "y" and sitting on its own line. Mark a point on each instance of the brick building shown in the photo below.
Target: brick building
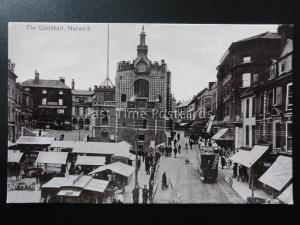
{"x": 142, "y": 86}
{"x": 52, "y": 102}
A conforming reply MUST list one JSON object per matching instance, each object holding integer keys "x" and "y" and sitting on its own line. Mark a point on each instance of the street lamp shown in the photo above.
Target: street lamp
{"x": 157, "y": 101}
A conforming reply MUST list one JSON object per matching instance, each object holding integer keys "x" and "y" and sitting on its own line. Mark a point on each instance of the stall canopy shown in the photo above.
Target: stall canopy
{"x": 10, "y": 144}
{"x": 287, "y": 195}
{"x": 63, "y": 144}
{"x": 14, "y": 156}
{"x": 69, "y": 192}
{"x": 29, "y": 140}
{"x": 52, "y": 157}
{"x": 83, "y": 182}
{"x": 279, "y": 174}
{"x": 117, "y": 167}
{"x": 248, "y": 158}
{"x": 223, "y": 134}
{"x": 90, "y": 160}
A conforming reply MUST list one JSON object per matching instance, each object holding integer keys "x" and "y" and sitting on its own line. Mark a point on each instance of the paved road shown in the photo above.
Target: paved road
{"x": 187, "y": 186}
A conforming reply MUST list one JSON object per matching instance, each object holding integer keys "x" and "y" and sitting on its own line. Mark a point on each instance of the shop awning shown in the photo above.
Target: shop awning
{"x": 224, "y": 135}
{"x": 287, "y": 195}
{"x": 30, "y": 140}
{"x": 117, "y": 167}
{"x": 209, "y": 124}
{"x": 63, "y": 144}
{"x": 90, "y": 160}
{"x": 248, "y": 158}
{"x": 10, "y": 144}
{"x": 279, "y": 174}
{"x": 14, "y": 156}
{"x": 52, "y": 157}
{"x": 97, "y": 185}
{"x": 70, "y": 193}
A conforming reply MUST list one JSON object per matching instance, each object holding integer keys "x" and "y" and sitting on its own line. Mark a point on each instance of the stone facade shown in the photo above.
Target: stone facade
{"x": 143, "y": 86}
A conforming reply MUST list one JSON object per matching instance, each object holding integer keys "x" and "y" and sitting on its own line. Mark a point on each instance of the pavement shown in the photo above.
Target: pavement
{"x": 69, "y": 135}
{"x": 186, "y": 185}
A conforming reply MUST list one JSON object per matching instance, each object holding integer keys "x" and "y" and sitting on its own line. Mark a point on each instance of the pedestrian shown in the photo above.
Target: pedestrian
{"x": 150, "y": 195}
{"x": 245, "y": 174}
{"x": 143, "y": 155}
{"x": 179, "y": 148}
{"x": 164, "y": 181}
{"x": 175, "y": 141}
{"x": 223, "y": 161}
{"x": 191, "y": 144}
{"x": 145, "y": 192}
{"x": 136, "y": 194}
{"x": 240, "y": 173}
{"x": 175, "y": 151}
{"x": 235, "y": 168}
{"x": 150, "y": 159}
{"x": 186, "y": 145}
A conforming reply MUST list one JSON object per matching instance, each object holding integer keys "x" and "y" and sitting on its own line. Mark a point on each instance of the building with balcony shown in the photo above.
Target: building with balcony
{"x": 144, "y": 87}
{"x": 52, "y": 102}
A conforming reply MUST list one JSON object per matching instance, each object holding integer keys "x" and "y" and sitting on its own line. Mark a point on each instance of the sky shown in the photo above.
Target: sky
{"x": 191, "y": 51}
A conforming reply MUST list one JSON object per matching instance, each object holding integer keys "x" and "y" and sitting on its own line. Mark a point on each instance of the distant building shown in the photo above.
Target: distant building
{"x": 145, "y": 86}
{"x": 81, "y": 107}
{"x": 104, "y": 107}
{"x": 182, "y": 111}
{"x": 11, "y": 104}
{"x": 52, "y": 102}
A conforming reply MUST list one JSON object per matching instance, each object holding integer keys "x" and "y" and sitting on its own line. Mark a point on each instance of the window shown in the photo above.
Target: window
{"x": 44, "y": 101}
{"x": 60, "y": 101}
{"x": 278, "y": 94}
{"x": 123, "y": 97}
{"x": 261, "y": 108}
{"x": 246, "y": 80}
{"x": 104, "y": 118}
{"x": 277, "y": 135}
{"x": 289, "y": 136}
{"x": 60, "y": 111}
{"x": 44, "y": 91}
{"x": 282, "y": 66}
{"x": 159, "y": 99}
{"x": 253, "y": 135}
{"x": 270, "y": 101}
{"x": 289, "y": 96}
{"x": 76, "y": 99}
{"x": 76, "y": 110}
{"x": 61, "y": 92}
{"x": 104, "y": 133}
{"x": 255, "y": 78}
{"x": 247, "y": 59}
{"x": 253, "y": 107}
{"x": 273, "y": 70}
{"x": 144, "y": 124}
{"x": 141, "y": 88}
{"x": 247, "y": 108}
{"x": 274, "y": 97}
{"x": 247, "y": 135}
{"x": 27, "y": 89}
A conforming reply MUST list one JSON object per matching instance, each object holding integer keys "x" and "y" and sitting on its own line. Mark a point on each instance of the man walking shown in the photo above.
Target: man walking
{"x": 175, "y": 151}
{"x": 151, "y": 184}
{"x": 136, "y": 194}
{"x": 191, "y": 144}
{"x": 223, "y": 161}
{"x": 145, "y": 194}
{"x": 179, "y": 148}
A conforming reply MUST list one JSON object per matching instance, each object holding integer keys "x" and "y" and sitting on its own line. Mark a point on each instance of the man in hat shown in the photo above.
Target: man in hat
{"x": 145, "y": 192}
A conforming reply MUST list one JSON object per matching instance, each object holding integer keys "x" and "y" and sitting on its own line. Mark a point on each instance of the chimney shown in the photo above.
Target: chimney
{"x": 36, "y": 76}
{"x": 286, "y": 32}
{"x": 210, "y": 84}
{"x": 73, "y": 84}
{"x": 62, "y": 79}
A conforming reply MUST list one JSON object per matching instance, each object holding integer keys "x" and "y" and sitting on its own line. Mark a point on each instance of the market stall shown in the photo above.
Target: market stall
{"x": 13, "y": 163}
{"x": 89, "y": 163}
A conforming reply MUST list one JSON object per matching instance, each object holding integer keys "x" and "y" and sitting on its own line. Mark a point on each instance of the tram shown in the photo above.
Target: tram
{"x": 208, "y": 160}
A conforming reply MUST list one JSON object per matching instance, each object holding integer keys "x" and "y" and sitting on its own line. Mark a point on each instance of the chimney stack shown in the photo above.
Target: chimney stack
{"x": 36, "y": 76}
{"x": 62, "y": 79}
{"x": 73, "y": 84}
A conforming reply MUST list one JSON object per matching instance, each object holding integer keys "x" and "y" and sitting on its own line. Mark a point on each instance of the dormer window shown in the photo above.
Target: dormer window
{"x": 61, "y": 92}
{"x": 282, "y": 66}
{"x": 273, "y": 70}
{"x": 246, "y": 59}
{"x": 246, "y": 80}
{"x": 44, "y": 91}
{"x": 255, "y": 78}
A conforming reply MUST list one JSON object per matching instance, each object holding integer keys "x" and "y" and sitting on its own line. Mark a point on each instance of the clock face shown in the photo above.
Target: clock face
{"x": 142, "y": 67}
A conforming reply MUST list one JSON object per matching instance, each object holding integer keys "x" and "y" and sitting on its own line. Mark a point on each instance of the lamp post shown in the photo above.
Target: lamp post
{"x": 155, "y": 129}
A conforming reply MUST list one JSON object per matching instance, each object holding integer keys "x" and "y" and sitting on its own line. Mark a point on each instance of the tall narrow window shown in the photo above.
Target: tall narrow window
{"x": 61, "y": 92}
{"x": 144, "y": 124}
{"x": 270, "y": 101}
{"x": 44, "y": 101}
{"x": 246, "y": 80}
{"x": 247, "y": 135}
{"x": 44, "y": 91}
{"x": 247, "y": 108}
{"x": 289, "y": 136}
{"x": 289, "y": 96}
{"x": 123, "y": 98}
{"x": 141, "y": 88}
{"x": 253, "y": 107}
{"x": 278, "y": 135}
{"x": 60, "y": 102}
{"x": 278, "y": 96}
{"x": 253, "y": 135}
{"x": 261, "y": 108}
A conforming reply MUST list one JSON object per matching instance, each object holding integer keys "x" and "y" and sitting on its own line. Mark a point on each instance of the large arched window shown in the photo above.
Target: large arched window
{"x": 104, "y": 118}
{"x": 141, "y": 88}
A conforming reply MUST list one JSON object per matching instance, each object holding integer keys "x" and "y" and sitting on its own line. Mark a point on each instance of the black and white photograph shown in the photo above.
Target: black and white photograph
{"x": 150, "y": 113}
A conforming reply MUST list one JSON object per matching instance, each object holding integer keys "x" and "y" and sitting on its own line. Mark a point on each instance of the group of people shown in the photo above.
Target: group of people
{"x": 240, "y": 172}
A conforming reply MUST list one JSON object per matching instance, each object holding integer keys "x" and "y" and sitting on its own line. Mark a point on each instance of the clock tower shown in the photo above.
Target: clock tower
{"x": 142, "y": 63}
